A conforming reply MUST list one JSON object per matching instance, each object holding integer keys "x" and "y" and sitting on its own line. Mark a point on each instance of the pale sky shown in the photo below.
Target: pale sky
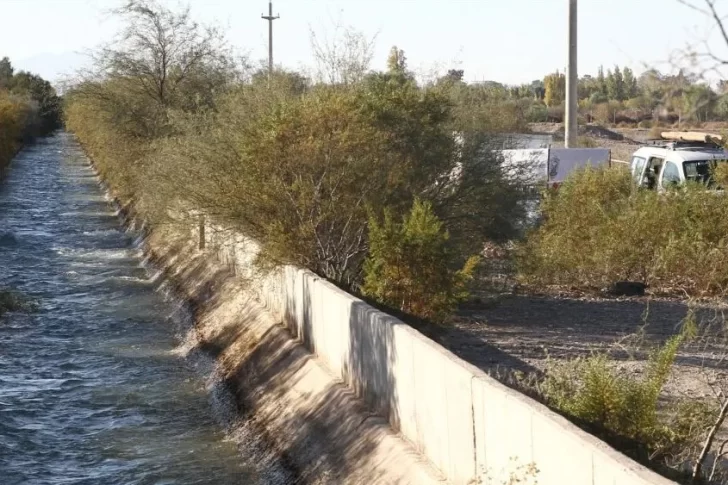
{"x": 510, "y": 41}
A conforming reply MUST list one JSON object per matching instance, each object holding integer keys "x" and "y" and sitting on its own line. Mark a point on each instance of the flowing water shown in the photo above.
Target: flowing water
{"x": 92, "y": 390}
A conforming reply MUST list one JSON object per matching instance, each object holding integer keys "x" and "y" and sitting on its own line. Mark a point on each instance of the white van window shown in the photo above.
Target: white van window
{"x": 700, "y": 170}
{"x": 670, "y": 174}
{"x": 638, "y": 164}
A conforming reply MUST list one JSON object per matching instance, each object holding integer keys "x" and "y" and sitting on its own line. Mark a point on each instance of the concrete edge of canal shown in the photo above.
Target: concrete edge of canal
{"x": 327, "y": 379}
{"x": 313, "y": 421}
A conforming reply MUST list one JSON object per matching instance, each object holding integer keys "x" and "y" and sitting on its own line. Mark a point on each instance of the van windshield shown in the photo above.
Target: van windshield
{"x": 700, "y": 170}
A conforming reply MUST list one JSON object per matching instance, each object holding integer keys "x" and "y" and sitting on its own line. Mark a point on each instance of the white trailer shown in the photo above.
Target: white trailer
{"x": 551, "y": 166}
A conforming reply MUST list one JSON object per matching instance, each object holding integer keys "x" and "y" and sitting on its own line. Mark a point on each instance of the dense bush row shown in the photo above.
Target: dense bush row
{"x": 13, "y": 114}
{"x": 29, "y": 107}
{"x": 599, "y": 229}
{"x": 300, "y": 165}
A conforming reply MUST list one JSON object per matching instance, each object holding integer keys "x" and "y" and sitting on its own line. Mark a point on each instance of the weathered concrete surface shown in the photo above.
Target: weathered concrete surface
{"x": 472, "y": 428}
{"x": 315, "y": 420}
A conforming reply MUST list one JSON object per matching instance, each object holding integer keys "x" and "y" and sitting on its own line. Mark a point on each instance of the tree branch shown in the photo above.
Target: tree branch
{"x": 698, "y": 468}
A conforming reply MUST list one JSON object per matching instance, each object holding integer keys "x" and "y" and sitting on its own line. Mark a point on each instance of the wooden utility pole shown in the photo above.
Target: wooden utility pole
{"x": 572, "y": 79}
{"x": 270, "y": 18}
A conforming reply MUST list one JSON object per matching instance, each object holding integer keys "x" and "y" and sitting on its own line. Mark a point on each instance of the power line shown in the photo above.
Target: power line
{"x": 270, "y": 18}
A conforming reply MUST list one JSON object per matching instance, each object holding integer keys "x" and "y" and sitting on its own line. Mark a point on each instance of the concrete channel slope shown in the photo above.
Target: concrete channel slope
{"x": 471, "y": 427}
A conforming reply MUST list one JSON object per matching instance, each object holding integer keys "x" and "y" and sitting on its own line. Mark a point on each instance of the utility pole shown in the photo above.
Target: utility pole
{"x": 270, "y": 18}
{"x": 572, "y": 79}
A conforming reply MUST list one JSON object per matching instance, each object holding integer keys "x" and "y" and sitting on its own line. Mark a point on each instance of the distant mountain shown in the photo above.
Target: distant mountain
{"x": 54, "y": 67}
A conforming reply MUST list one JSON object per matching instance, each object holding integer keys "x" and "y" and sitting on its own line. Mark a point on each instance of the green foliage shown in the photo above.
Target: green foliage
{"x": 555, "y": 86}
{"x": 630, "y": 83}
{"x": 410, "y": 265}
{"x": 6, "y": 73}
{"x": 616, "y": 89}
{"x": 29, "y": 107}
{"x": 721, "y": 107}
{"x": 294, "y": 164}
{"x": 42, "y": 93}
{"x": 537, "y": 112}
{"x": 14, "y": 113}
{"x": 607, "y": 112}
{"x": 698, "y": 102}
{"x": 719, "y": 174}
{"x": 397, "y": 61}
{"x": 487, "y": 108}
{"x": 592, "y": 390}
{"x": 602, "y": 82}
{"x": 673, "y": 241}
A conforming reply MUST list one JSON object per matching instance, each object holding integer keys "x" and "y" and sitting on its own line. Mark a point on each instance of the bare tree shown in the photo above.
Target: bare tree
{"x": 343, "y": 58}
{"x": 160, "y": 50}
{"x": 701, "y": 56}
{"x": 708, "y": 344}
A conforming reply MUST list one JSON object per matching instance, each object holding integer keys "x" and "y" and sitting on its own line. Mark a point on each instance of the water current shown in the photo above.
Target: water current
{"x": 93, "y": 389}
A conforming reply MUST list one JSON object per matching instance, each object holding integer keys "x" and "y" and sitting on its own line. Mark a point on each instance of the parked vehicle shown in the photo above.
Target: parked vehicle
{"x": 676, "y": 158}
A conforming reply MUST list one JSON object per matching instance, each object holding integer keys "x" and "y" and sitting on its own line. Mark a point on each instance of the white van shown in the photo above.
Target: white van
{"x": 676, "y": 158}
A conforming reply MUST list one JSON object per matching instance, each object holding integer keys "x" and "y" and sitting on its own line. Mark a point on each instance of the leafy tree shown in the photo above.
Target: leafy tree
{"x": 40, "y": 91}
{"x": 455, "y": 75}
{"x": 607, "y": 112}
{"x": 698, "y": 102}
{"x": 6, "y": 73}
{"x": 630, "y": 84}
{"x": 555, "y": 86}
{"x": 411, "y": 265}
{"x": 602, "y": 82}
{"x": 598, "y": 98}
{"x": 587, "y": 86}
{"x": 12, "y": 125}
{"x": 397, "y": 61}
{"x": 538, "y": 89}
{"x": 615, "y": 85}
{"x": 721, "y": 107}
{"x": 652, "y": 84}
{"x": 165, "y": 58}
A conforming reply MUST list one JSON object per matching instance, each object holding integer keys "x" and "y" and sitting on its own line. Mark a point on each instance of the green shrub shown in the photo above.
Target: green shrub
{"x": 292, "y": 164}
{"x": 673, "y": 241}
{"x": 410, "y": 265}
{"x": 591, "y": 390}
{"x": 537, "y": 112}
{"x": 720, "y": 175}
{"x": 12, "y": 125}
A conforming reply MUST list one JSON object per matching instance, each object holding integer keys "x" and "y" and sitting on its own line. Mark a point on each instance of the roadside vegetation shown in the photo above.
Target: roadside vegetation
{"x": 674, "y": 242}
{"x": 616, "y": 96}
{"x": 29, "y": 107}
{"x": 681, "y": 436}
{"x": 386, "y": 186}
{"x": 303, "y": 163}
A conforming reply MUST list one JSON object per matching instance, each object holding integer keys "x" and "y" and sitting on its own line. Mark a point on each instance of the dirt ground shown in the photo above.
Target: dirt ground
{"x": 515, "y": 334}
{"x": 520, "y": 332}
{"x": 509, "y": 331}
